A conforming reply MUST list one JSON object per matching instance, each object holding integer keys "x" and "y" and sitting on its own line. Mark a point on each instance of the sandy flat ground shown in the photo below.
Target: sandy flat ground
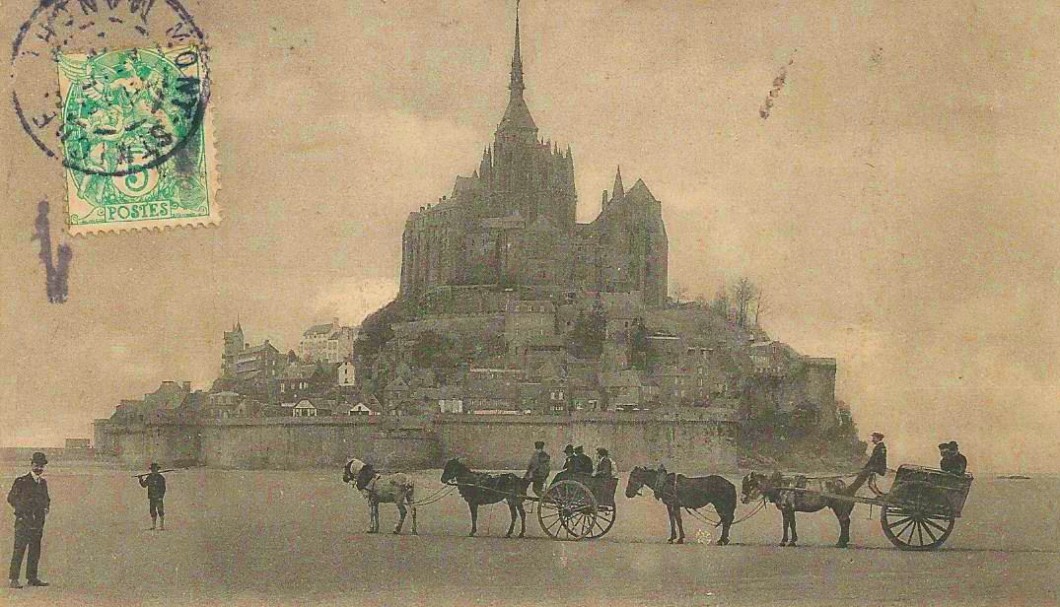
{"x": 297, "y": 538}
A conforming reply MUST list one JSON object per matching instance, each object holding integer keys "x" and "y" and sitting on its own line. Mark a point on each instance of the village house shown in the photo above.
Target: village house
{"x": 313, "y": 407}
{"x": 329, "y": 342}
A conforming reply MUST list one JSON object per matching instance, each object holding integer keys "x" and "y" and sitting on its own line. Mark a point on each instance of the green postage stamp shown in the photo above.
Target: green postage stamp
{"x": 137, "y": 139}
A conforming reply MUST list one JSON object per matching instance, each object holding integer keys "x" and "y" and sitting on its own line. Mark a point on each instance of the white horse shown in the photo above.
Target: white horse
{"x": 397, "y": 489}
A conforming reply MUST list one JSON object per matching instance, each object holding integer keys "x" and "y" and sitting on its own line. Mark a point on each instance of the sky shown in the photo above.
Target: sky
{"x": 898, "y": 206}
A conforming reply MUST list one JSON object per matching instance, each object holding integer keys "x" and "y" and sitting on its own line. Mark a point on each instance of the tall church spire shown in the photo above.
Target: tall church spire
{"x": 516, "y": 85}
{"x": 517, "y": 117}
{"x": 618, "y": 191}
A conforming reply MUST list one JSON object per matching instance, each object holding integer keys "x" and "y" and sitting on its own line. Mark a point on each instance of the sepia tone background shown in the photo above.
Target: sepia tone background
{"x": 898, "y": 207}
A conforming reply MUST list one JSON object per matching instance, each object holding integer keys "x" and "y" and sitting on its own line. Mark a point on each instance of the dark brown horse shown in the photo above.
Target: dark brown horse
{"x": 679, "y": 491}
{"x": 778, "y": 489}
{"x": 481, "y": 489}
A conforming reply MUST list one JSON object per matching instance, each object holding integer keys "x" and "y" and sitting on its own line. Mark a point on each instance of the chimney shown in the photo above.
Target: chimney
{"x": 187, "y": 386}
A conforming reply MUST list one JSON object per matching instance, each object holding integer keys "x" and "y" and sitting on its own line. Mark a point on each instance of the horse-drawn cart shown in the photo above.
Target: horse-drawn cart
{"x": 572, "y": 507}
{"x": 922, "y": 507}
{"x": 920, "y": 510}
{"x": 577, "y": 506}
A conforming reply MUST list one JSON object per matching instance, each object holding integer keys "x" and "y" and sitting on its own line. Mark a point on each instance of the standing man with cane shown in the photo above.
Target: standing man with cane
{"x": 29, "y": 498}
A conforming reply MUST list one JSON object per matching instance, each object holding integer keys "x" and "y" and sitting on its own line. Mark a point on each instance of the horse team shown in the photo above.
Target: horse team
{"x": 676, "y": 491}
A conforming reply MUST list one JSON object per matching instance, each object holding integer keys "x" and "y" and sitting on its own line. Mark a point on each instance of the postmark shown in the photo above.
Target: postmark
{"x": 118, "y": 92}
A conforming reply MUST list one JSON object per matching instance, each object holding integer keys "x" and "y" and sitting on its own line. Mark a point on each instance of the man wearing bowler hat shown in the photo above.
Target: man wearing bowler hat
{"x": 29, "y": 498}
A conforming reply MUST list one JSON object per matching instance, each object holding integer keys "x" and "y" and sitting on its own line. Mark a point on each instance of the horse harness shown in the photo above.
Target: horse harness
{"x": 694, "y": 512}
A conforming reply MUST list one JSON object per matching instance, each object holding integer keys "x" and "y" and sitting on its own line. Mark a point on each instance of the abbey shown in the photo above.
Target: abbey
{"x": 511, "y": 225}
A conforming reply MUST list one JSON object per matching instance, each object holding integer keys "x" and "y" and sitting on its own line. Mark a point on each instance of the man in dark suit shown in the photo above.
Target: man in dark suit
{"x": 29, "y": 498}
{"x": 954, "y": 461}
{"x": 583, "y": 464}
{"x": 877, "y": 464}
{"x": 569, "y": 463}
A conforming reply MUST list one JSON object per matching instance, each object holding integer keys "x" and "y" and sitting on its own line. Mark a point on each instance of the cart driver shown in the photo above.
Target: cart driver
{"x": 877, "y": 464}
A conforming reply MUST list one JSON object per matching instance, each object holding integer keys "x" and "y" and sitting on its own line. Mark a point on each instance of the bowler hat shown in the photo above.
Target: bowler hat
{"x": 38, "y": 458}
{"x": 601, "y": 451}
{"x": 877, "y": 435}
{"x": 154, "y": 466}
{"x": 568, "y": 449}
{"x": 953, "y": 445}
{"x": 943, "y": 446}
{"x": 539, "y": 444}
{"x": 579, "y": 449}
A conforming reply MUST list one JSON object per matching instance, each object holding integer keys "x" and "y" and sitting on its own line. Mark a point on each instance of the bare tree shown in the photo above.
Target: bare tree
{"x": 721, "y": 305}
{"x": 744, "y": 294}
{"x": 760, "y": 304}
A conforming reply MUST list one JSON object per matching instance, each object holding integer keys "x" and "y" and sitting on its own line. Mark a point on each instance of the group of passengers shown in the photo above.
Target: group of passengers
{"x": 577, "y": 462}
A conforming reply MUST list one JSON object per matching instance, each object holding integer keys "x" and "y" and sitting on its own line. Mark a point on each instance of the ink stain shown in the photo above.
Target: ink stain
{"x": 56, "y": 270}
{"x": 778, "y": 84}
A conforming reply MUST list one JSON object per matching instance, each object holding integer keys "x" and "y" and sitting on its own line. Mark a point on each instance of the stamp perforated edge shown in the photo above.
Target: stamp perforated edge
{"x": 213, "y": 186}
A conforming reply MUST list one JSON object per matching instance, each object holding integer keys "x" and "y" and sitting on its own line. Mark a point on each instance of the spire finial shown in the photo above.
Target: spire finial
{"x": 516, "y": 84}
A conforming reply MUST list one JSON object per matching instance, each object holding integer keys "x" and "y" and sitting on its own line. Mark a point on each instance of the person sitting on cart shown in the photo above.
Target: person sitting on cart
{"x": 569, "y": 463}
{"x": 953, "y": 461}
{"x": 605, "y": 468}
{"x": 538, "y": 468}
{"x": 583, "y": 464}
{"x": 877, "y": 464}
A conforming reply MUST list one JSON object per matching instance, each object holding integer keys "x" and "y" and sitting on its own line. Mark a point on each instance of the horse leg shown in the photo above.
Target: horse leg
{"x": 726, "y": 522}
{"x": 673, "y": 528}
{"x": 522, "y": 519}
{"x": 412, "y": 506}
{"x": 402, "y": 511}
{"x": 843, "y": 514}
{"x": 373, "y": 515}
{"x": 784, "y": 518}
{"x": 794, "y": 532}
{"x": 474, "y": 518}
{"x": 512, "y": 513}
{"x": 680, "y": 524}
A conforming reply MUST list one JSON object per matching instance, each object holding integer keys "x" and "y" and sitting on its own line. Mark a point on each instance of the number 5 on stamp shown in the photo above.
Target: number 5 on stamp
{"x": 137, "y": 140}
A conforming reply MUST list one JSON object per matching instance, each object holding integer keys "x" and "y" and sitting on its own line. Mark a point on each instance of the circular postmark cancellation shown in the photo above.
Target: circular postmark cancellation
{"x": 111, "y": 87}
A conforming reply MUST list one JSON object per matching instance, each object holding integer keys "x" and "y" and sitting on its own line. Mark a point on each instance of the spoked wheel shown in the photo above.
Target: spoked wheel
{"x": 567, "y": 511}
{"x": 605, "y": 519}
{"x": 914, "y": 522}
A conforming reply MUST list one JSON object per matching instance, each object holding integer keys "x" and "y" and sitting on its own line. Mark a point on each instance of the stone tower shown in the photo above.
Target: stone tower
{"x": 511, "y": 227}
{"x": 235, "y": 343}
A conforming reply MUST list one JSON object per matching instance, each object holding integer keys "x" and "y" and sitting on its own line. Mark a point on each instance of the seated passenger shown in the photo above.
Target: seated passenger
{"x": 605, "y": 468}
{"x": 583, "y": 464}
{"x": 568, "y": 466}
{"x": 956, "y": 462}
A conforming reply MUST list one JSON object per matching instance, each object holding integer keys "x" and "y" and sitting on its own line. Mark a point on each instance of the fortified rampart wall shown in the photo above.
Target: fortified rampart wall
{"x": 688, "y": 442}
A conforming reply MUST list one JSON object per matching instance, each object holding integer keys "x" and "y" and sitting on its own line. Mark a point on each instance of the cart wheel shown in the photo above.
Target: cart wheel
{"x": 567, "y": 511}
{"x": 605, "y": 519}
{"x": 914, "y": 522}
